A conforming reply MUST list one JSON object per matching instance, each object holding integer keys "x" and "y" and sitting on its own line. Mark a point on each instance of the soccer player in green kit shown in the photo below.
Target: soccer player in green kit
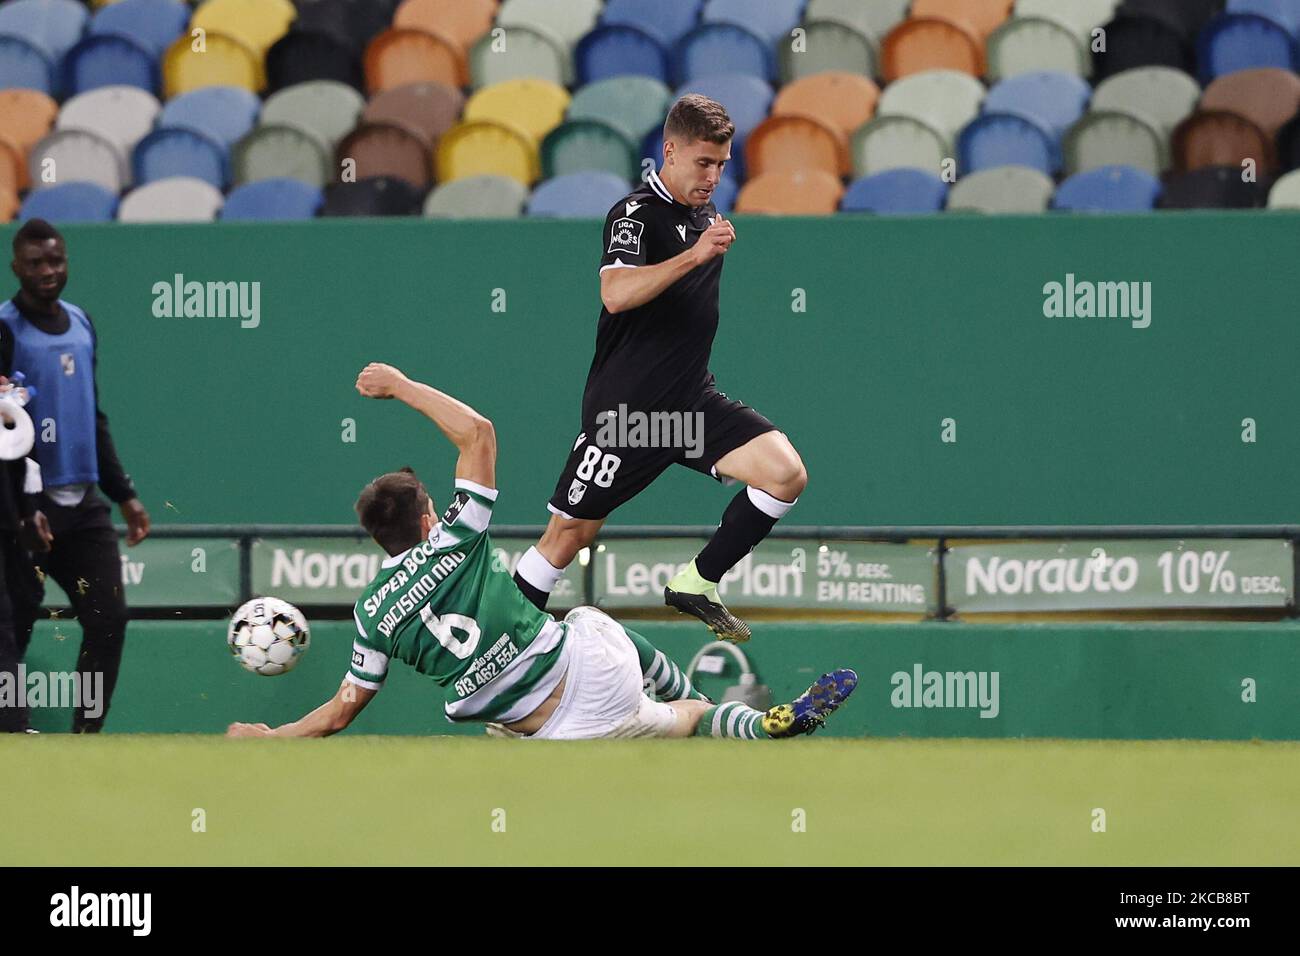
{"x": 443, "y": 603}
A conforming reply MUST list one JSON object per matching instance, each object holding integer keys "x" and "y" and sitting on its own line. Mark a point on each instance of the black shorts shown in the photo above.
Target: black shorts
{"x": 614, "y": 458}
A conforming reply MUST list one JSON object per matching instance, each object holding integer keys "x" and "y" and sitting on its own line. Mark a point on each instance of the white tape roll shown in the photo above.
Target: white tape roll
{"x": 17, "y": 433}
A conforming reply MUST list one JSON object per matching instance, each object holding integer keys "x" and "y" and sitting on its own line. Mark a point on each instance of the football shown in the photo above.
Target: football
{"x": 268, "y": 636}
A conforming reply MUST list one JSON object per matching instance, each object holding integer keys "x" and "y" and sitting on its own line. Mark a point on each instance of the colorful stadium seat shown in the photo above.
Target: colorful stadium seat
{"x": 1214, "y": 187}
{"x": 11, "y": 175}
{"x": 1108, "y": 189}
{"x": 828, "y": 45}
{"x": 580, "y": 145}
{"x": 843, "y": 101}
{"x": 794, "y": 192}
{"x": 796, "y": 142}
{"x": 635, "y": 105}
{"x": 520, "y": 52}
{"x": 326, "y": 108}
{"x": 1284, "y": 12}
{"x": 176, "y": 151}
{"x": 462, "y": 20}
{"x": 107, "y": 59}
{"x": 896, "y": 192}
{"x": 223, "y": 61}
{"x": 669, "y": 21}
{"x": 747, "y": 98}
{"x": 121, "y": 114}
{"x": 397, "y": 57}
{"x": 477, "y": 197}
{"x": 70, "y": 202}
{"x": 980, "y": 17}
{"x": 77, "y": 155}
{"x": 52, "y": 26}
{"x": 431, "y": 108}
{"x": 713, "y": 48}
{"x": 1053, "y": 100}
{"x": 535, "y": 106}
{"x": 179, "y": 199}
{"x": 772, "y": 19}
{"x": 154, "y": 24}
{"x": 23, "y": 65}
{"x": 388, "y": 149}
{"x": 378, "y": 196}
{"x": 255, "y": 23}
{"x": 1133, "y": 41}
{"x": 620, "y": 50}
{"x": 943, "y": 99}
{"x": 273, "y": 199}
{"x": 1189, "y": 17}
{"x": 1034, "y": 44}
{"x": 928, "y": 43}
{"x": 26, "y": 117}
{"x": 873, "y": 19}
{"x": 1244, "y": 41}
{"x": 568, "y": 21}
{"x": 586, "y": 194}
{"x": 276, "y": 151}
{"x": 898, "y": 142}
{"x": 1106, "y": 138}
{"x": 1285, "y": 193}
{"x": 1003, "y": 189}
{"x": 474, "y": 149}
{"x": 1267, "y": 97}
{"x": 1160, "y": 96}
{"x": 226, "y": 113}
{"x": 351, "y": 23}
{"x": 1079, "y": 17}
{"x": 1219, "y": 138}
{"x": 302, "y": 56}
{"x": 1006, "y": 139}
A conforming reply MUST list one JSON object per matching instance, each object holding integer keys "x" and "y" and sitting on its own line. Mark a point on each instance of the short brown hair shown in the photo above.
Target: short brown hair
{"x": 390, "y": 508}
{"x": 698, "y": 117}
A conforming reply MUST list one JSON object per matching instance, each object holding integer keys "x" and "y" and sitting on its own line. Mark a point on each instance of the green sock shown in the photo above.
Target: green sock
{"x": 668, "y": 680}
{"x": 732, "y": 719}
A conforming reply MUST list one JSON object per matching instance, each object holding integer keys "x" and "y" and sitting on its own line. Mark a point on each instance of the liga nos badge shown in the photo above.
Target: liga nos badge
{"x": 576, "y": 491}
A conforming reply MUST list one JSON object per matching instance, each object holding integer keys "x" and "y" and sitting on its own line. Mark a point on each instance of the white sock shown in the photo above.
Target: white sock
{"x": 537, "y": 571}
{"x": 772, "y": 507}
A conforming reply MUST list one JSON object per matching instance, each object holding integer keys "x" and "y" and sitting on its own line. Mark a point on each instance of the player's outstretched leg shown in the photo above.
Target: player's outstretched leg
{"x": 668, "y": 680}
{"x": 693, "y": 594}
{"x": 808, "y": 712}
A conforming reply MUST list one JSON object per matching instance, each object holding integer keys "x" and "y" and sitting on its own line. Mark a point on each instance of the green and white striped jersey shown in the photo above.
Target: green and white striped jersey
{"x": 450, "y": 609}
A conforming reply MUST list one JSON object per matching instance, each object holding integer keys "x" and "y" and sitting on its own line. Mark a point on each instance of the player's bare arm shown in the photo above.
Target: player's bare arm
{"x": 471, "y": 433}
{"x": 326, "y": 720}
{"x": 624, "y": 289}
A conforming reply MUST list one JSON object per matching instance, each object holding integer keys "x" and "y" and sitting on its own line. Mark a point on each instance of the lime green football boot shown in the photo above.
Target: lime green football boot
{"x": 693, "y": 595}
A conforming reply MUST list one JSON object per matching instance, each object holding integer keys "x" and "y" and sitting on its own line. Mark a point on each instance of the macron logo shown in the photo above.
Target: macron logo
{"x": 103, "y": 909}
{"x": 631, "y": 208}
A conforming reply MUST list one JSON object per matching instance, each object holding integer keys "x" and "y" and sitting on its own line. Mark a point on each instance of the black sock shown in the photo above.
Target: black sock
{"x": 534, "y": 594}
{"x": 744, "y": 525}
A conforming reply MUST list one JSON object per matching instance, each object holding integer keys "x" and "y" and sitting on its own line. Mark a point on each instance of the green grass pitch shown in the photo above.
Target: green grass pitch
{"x": 131, "y": 800}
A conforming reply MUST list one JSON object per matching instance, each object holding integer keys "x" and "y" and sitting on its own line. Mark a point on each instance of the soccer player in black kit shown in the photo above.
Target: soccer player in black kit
{"x": 663, "y": 247}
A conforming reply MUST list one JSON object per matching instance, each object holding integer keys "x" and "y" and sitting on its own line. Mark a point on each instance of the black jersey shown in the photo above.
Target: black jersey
{"x": 656, "y": 356}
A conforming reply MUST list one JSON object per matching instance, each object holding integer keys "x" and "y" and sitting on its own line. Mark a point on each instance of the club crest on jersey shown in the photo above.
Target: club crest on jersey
{"x": 69, "y": 363}
{"x": 625, "y": 236}
{"x": 576, "y": 491}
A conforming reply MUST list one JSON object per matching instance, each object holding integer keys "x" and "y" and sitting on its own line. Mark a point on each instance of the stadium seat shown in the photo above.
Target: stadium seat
{"x": 980, "y": 17}
{"x": 255, "y": 23}
{"x": 275, "y": 151}
{"x": 11, "y": 171}
{"x": 273, "y": 199}
{"x": 713, "y": 48}
{"x": 70, "y": 202}
{"x": 1133, "y": 41}
{"x": 1079, "y": 17}
{"x": 474, "y": 149}
{"x": 122, "y": 115}
{"x": 801, "y": 192}
{"x": 874, "y": 19}
{"x": 1108, "y": 189}
{"x": 896, "y": 192}
{"x": 796, "y": 142}
{"x": 1160, "y": 96}
{"x": 1006, "y": 139}
{"x": 579, "y": 145}
{"x": 462, "y": 20}
{"x": 477, "y": 197}
{"x": 397, "y": 57}
{"x": 1214, "y": 187}
{"x": 747, "y": 98}
{"x": 1053, "y": 100}
{"x": 1106, "y": 138}
{"x": 926, "y": 43}
{"x": 24, "y": 65}
{"x": 898, "y": 142}
{"x": 379, "y": 196}
{"x": 843, "y": 101}
{"x": 1244, "y": 41}
{"x": 772, "y": 19}
{"x": 351, "y": 23}
{"x": 1004, "y": 189}
{"x": 1267, "y": 97}
{"x": 1034, "y": 44}
{"x": 1283, "y": 12}
{"x": 432, "y": 108}
{"x": 1219, "y": 138}
{"x": 176, "y": 151}
{"x": 26, "y": 117}
{"x": 943, "y": 99}
{"x": 226, "y": 113}
{"x": 154, "y": 24}
{"x": 224, "y": 62}
{"x": 302, "y": 56}
{"x": 326, "y": 108}
{"x": 620, "y": 50}
{"x": 569, "y": 21}
{"x": 1189, "y": 17}
{"x": 77, "y": 155}
{"x": 534, "y": 106}
{"x": 588, "y": 194}
{"x": 635, "y": 105}
{"x": 52, "y": 26}
{"x": 671, "y": 19}
{"x": 107, "y": 59}
{"x": 828, "y": 45}
{"x": 520, "y": 52}
{"x": 1288, "y": 144}
{"x": 1285, "y": 193}
{"x": 388, "y": 149}
{"x": 179, "y": 199}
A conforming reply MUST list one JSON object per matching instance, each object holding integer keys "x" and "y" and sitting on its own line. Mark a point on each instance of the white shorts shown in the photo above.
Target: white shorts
{"x": 604, "y": 692}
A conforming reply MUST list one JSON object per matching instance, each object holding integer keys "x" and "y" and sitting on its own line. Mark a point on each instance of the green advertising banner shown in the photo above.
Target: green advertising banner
{"x": 334, "y": 570}
{"x": 1115, "y": 575}
{"x": 172, "y": 572}
{"x": 790, "y": 573}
